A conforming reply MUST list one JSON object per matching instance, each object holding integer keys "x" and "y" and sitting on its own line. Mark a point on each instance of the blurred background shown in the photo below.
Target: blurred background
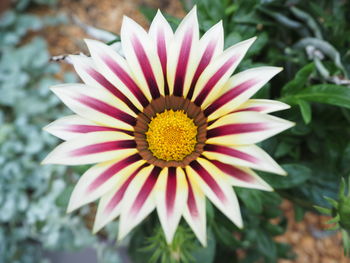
{"x": 310, "y": 39}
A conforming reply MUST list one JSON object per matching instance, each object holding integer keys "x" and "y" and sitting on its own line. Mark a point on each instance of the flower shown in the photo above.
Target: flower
{"x": 168, "y": 126}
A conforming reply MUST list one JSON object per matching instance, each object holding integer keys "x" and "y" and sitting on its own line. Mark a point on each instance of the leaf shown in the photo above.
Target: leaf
{"x": 299, "y": 81}
{"x": 305, "y": 110}
{"x": 297, "y": 174}
{"x": 251, "y": 198}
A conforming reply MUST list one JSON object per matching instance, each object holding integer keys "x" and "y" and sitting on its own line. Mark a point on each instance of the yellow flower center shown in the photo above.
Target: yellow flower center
{"x": 171, "y": 135}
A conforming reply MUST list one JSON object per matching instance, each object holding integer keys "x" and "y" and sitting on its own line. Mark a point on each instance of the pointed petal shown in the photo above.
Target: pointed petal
{"x": 162, "y": 35}
{"x": 242, "y": 128}
{"x": 182, "y": 60}
{"x": 210, "y": 46}
{"x": 263, "y": 106}
{"x": 109, "y": 206}
{"x": 138, "y": 201}
{"x": 218, "y": 72}
{"x": 100, "y": 179}
{"x": 242, "y": 177}
{"x": 96, "y": 105}
{"x": 70, "y": 127}
{"x": 171, "y": 198}
{"x": 92, "y": 147}
{"x": 88, "y": 72}
{"x": 194, "y": 212}
{"x": 142, "y": 57}
{"x": 114, "y": 68}
{"x": 247, "y": 156}
{"x": 216, "y": 187}
{"x": 238, "y": 89}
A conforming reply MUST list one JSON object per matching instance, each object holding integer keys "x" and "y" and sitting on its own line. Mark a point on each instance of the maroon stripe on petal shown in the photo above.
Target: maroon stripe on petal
{"x": 162, "y": 53}
{"x": 111, "y": 88}
{"x": 145, "y": 191}
{"x": 191, "y": 201}
{"x": 209, "y": 180}
{"x": 203, "y": 63}
{"x": 117, "y": 197}
{"x": 233, "y": 171}
{"x": 231, "y": 152}
{"x": 214, "y": 79}
{"x": 127, "y": 80}
{"x": 111, "y": 171}
{"x": 106, "y": 109}
{"x": 171, "y": 191}
{"x": 256, "y": 108}
{"x": 103, "y": 147}
{"x": 146, "y": 67}
{"x": 93, "y": 128}
{"x": 182, "y": 63}
{"x": 237, "y": 128}
{"x": 229, "y": 95}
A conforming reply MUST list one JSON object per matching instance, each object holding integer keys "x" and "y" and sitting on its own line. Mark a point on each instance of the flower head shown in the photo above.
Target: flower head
{"x": 168, "y": 125}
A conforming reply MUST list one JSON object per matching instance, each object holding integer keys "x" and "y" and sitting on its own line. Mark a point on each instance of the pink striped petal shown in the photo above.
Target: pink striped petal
{"x": 109, "y": 206}
{"x": 238, "y": 89}
{"x": 138, "y": 201}
{"x": 241, "y": 176}
{"x": 96, "y": 105}
{"x": 263, "y": 106}
{"x": 216, "y": 187}
{"x": 102, "y": 178}
{"x": 171, "y": 198}
{"x": 88, "y": 72}
{"x": 116, "y": 70}
{"x": 70, "y": 127}
{"x": 92, "y": 147}
{"x": 247, "y": 156}
{"x": 210, "y": 46}
{"x": 218, "y": 72}
{"x": 162, "y": 34}
{"x": 194, "y": 212}
{"x": 142, "y": 57}
{"x": 242, "y": 128}
{"x": 182, "y": 59}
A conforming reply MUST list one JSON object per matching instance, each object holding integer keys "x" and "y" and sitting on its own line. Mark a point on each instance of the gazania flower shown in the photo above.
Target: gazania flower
{"x": 168, "y": 125}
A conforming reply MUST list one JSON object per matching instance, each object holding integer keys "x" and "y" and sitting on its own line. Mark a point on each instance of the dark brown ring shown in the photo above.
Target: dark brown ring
{"x": 159, "y": 105}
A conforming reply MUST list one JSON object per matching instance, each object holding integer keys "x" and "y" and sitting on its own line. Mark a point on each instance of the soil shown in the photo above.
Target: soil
{"x": 307, "y": 237}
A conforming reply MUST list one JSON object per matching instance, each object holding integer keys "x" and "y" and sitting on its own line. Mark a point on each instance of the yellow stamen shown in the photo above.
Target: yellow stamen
{"x": 171, "y": 135}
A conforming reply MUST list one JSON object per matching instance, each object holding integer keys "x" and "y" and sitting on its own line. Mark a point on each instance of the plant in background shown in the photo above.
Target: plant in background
{"x": 167, "y": 125}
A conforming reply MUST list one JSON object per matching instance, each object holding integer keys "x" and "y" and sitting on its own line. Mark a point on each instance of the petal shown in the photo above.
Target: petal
{"x": 70, "y": 127}
{"x": 114, "y": 68}
{"x": 218, "y": 72}
{"x": 92, "y": 147}
{"x": 242, "y": 128}
{"x": 142, "y": 57}
{"x": 162, "y": 34}
{"x": 96, "y": 105}
{"x": 248, "y": 156}
{"x": 138, "y": 200}
{"x": 100, "y": 179}
{"x": 263, "y": 106}
{"x": 88, "y": 72}
{"x": 210, "y": 45}
{"x": 171, "y": 198}
{"x": 216, "y": 187}
{"x": 242, "y": 177}
{"x": 109, "y": 206}
{"x": 182, "y": 60}
{"x": 238, "y": 89}
{"x": 194, "y": 212}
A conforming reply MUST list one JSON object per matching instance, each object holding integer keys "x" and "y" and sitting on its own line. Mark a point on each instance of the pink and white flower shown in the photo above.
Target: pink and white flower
{"x": 168, "y": 125}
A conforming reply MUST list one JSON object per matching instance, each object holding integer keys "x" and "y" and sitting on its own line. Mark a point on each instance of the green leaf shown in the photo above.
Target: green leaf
{"x": 305, "y": 110}
{"x": 297, "y": 174}
{"x": 323, "y": 93}
{"x": 299, "y": 81}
